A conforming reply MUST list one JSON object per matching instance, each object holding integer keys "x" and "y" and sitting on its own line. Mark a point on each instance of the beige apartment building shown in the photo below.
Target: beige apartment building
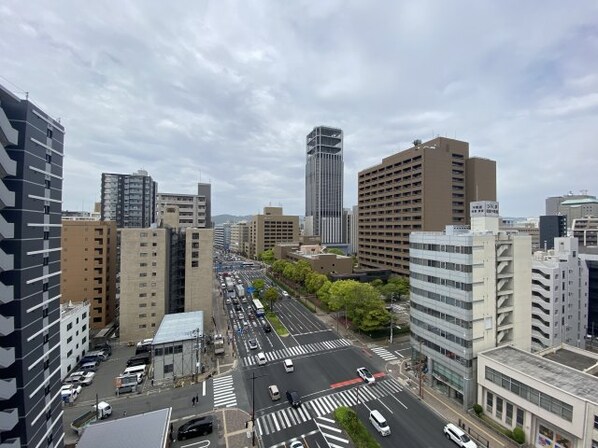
{"x": 163, "y": 270}
{"x": 89, "y": 268}
{"x": 199, "y": 263}
{"x": 144, "y": 281}
{"x": 239, "y": 236}
{"x": 423, "y": 188}
{"x": 269, "y": 228}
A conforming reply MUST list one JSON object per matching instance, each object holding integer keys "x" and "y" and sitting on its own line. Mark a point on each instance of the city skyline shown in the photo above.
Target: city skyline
{"x": 210, "y": 93}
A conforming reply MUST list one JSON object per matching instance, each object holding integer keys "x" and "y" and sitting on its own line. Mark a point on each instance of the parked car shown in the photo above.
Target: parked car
{"x": 366, "y": 375}
{"x": 458, "y": 436}
{"x": 80, "y": 377}
{"x": 195, "y": 427}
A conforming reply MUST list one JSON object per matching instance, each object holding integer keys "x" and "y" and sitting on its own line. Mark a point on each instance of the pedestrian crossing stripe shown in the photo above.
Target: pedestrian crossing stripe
{"x": 224, "y": 392}
{"x": 321, "y": 406}
{"x": 384, "y": 354}
{"x": 298, "y": 350}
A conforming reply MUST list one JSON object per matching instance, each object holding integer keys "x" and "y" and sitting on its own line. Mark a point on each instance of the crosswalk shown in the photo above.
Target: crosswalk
{"x": 224, "y": 392}
{"x": 330, "y": 432}
{"x": 384, "y": 354}
{"x": 321, "y": 406}
{"x": 298, "y": 350}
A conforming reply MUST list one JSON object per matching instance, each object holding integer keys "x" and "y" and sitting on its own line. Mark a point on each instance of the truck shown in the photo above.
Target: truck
{"x": 240, "y": 291}
{"x": 218, "y": 344}
{"x": 126, "y": 383}
{"x": 230, "y": 285}
{"x": 102, "y": 411}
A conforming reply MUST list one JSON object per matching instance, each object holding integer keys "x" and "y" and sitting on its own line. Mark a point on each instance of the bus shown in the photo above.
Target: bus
{"x": 247, "y": 264}
{"x": 259, "y": 308}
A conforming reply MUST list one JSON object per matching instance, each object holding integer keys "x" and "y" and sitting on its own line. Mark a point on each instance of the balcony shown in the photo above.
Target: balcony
{"x": 8, "y": 419}
{"x": 8, "y": 388}
{"x": 11, "y": 443}
{"x": 7, "y": 357}
{"x": 6, "y": 261}
{"x": 7, "y": 325}
{"x": 7, "y": 197}
{"x": 7, "y": 229}
{"x": 8, "y": 134}
{"x": 8, "y": 167}
{"x": 7, "y": 293}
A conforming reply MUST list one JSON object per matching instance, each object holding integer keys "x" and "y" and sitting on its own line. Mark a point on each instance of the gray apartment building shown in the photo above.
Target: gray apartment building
{"x": 324, "y": 185}
{"x": 129, "y": 199}
{"x": 31, "y": 157}
{"x": 423, "y": 188}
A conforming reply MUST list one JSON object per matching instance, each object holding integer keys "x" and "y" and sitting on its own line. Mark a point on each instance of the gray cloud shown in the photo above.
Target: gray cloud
{"x": 225, "y": 91}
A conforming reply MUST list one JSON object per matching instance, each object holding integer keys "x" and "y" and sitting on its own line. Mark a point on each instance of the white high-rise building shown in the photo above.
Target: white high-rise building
{"x": 470, "y": 291}
{"x": 559, "y": 296}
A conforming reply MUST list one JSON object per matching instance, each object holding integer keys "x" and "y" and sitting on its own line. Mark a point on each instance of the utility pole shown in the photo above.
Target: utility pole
{"x": 421, "y": 372}
{"x": 392, "y": 298}
{"x": 253, "y": 378}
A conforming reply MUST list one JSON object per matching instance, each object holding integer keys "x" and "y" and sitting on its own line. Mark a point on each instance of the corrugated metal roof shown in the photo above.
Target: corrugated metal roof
{"x": 148, "y": 430}
{"x": 179, "y": 327}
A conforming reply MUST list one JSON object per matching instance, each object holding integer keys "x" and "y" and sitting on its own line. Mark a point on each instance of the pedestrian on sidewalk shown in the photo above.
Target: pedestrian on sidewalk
{"x": 193, "y": 401}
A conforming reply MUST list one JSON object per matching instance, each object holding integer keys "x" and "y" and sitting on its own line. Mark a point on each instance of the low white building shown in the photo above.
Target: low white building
{"x": 559, "y": 296}
{"x": 177, "y": 345}
{"x": 552, "y": 395}
{"x": 74, "y": 335}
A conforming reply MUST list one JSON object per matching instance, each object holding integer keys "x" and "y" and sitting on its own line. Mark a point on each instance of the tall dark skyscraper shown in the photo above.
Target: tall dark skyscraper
{"x": 324, "y": 184}
{"x": 31, "y": 156}
{"x": 129, "y": 199}
{"x": 551, "y": 227}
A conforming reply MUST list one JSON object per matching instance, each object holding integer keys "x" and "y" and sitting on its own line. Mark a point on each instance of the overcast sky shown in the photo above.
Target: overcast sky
{"x": 225, "y": 92}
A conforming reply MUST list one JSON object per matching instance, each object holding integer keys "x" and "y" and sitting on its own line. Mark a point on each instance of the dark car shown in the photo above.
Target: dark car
{"x": 266, "y": 327}
{"x": 294, "y": 398}
{"x": 196, "y": 427}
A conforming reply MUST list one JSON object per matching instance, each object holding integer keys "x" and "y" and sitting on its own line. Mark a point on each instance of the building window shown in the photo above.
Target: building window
{"x": 46, "y": 209}
{"x": 499, "y": 408}
{"x": 69, "y": 326}
{"x": 49, "y": 158}
{"x": 69, "y": 353}
{"x": 44, "y": 287}
{"x": 45, "y": 312}
{"x": 69, "y": 340}
{"x": 489, "y": 402}
{"x": 46, "y": 235}
{"x": 168, "y": 368}
{"x": 520, "y": 414}
{"x": 194, "y": 263}
{"x": 509, "y": 416}
{"x": 595, "y": 422}
{"x": 47, "y": 183}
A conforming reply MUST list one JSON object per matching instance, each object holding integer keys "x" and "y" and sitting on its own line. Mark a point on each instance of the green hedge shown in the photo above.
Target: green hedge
{"x": 280, "y": 329}
{"x": 347, "y": 418}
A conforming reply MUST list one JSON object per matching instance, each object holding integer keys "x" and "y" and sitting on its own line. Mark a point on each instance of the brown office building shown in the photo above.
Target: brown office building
{"x": 270, "y": 228}
{"x": 89, "y": 268}
{"x": 423, "y": 188}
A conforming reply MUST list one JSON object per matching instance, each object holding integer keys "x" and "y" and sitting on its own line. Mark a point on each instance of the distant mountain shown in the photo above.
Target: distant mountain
{"x": 221, "y": 219}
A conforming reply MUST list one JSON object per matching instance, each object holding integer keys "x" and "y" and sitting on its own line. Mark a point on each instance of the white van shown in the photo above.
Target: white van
{"x": 261, "y": 359}
{"x": 274, "y": 392}
{"x": 288, "y": 366}
{"x": 379, "y": 423}
{"x": 136, "y": 370}
{"x": 458, "y": 436}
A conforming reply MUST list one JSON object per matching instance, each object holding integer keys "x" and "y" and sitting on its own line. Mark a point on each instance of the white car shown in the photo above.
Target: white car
{"x": 70, "y": 392}
{"x": 366, "y": 375}
{"x": 458, "y": 436}
{"x": 81, "y": 377}
{"x": 296, "y": 444}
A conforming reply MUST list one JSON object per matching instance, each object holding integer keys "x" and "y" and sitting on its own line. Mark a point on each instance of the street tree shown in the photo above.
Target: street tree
{"x": 258, "y": 284}
{"x": 271, "y": 296}
{"x": 267, "y": 256}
